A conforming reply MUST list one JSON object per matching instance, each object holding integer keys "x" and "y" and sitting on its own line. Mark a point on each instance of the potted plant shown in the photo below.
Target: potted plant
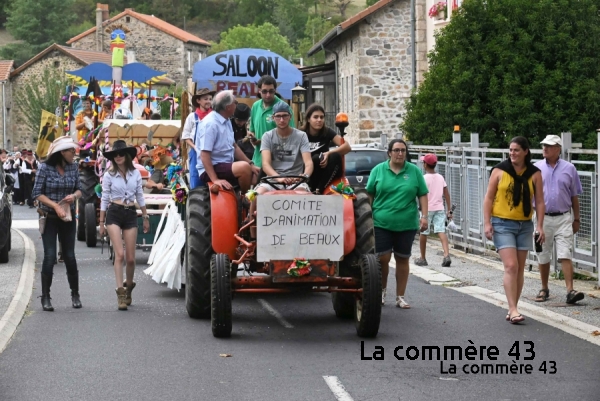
{"x": 438, "y": 10}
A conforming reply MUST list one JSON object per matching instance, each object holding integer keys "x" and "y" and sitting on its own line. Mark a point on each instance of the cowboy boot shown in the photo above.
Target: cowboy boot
{"x": 121, "y": 295}
{"x": 74, "y": 285}
{"x": 46, "y": 284}
{"x": 128, "y": 292}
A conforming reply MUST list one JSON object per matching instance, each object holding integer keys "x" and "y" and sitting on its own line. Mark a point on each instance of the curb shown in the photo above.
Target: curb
{"x": 13, "y": 315}
{"x": 567, "y": 324}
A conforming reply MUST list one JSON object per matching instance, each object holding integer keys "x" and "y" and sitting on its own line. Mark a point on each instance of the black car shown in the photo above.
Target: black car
{"x": 360, "y": 161}
{"x": 6, "y": 186}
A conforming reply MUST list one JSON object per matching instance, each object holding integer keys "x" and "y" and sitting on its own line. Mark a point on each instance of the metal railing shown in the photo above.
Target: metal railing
{"x": 467, "y": 170}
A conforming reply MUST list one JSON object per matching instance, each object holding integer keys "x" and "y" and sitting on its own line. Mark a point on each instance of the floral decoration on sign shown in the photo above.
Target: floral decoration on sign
{"x": 299, "y": 267}
{"x": 345, "y": 190}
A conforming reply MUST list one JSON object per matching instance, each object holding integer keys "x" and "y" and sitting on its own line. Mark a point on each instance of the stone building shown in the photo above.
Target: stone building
{"x": 151, "y": 41}
{"x": 376, "y": 66}
{"x": 6, "y": 67}
{"x": 55, "y": 57}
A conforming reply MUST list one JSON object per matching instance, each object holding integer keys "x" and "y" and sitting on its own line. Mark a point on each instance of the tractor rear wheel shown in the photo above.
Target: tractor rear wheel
{"x": 90, "y": 225}
{"x": 367, "y": 312}
{"x": 199, "y": 252}
{"x": 220, "y": 292}
{"x": 88, "y": 181}
{"x": 343, "y": 303}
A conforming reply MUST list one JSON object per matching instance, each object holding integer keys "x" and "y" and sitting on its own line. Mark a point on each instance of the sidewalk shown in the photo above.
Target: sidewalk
{"x": 481, "y": 276}
{"x": 16, "y": 282}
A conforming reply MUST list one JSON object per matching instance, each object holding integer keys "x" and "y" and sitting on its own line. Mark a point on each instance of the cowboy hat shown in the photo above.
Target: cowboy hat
{"x": 120, "y": 147}
{"x": 242, "y": 112}
{"x": 201, "y": 92}
{"x": 59, "y": 144}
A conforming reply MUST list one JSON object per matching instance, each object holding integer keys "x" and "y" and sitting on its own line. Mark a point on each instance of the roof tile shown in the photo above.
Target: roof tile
{"x": 5, "y": 68}
{"x": 152, "y": 21}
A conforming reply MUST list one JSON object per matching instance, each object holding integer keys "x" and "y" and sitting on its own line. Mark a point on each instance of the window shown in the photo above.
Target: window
{"x": 56, "y": 64}
{"x": 343, "y": 99}
{"x": 348, "y": 95}
{"x": 351, "y": 47}
{"x": 189, "y": 60}
{"x": 352, "y": 93}
{"x": 127, "y": 19}
{"x": 199, "y": 56}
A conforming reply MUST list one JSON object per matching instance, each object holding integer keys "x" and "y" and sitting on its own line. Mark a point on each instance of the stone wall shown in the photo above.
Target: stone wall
{"x": 6, "y": 103}
{"x": 19, "y": 133}
{"x": 376, "y": 56}
{"x": 152, "y": 47}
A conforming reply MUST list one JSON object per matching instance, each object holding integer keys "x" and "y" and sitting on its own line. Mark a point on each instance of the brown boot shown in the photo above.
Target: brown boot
{"x": 128, "y": 292}
{"x": 121, "y": 295}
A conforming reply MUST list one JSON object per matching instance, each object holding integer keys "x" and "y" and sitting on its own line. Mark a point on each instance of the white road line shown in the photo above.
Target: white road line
{"x": 337, "y": 388}
{"x": 273, "y": 312}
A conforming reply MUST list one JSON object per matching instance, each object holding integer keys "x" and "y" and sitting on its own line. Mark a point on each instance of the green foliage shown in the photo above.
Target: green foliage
{"x": 35, "y": 96}
{"x": 265, "y": 36}
{"x": 165, "y": 106}
{"x": 75, "y": 30}
{"x": 509, "y": 67}
{"x": 19, "y": 52}
{"x": 316, "y": 28}
{"x": 371, "y": 2}
{"x": 290, "y": 16}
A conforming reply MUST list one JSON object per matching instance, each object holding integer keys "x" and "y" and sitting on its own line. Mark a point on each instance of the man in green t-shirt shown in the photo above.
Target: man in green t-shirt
{"x": 261, "y": 119}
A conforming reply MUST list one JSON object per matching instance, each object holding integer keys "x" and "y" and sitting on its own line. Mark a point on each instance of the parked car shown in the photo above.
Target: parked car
{"x": 6, "y": 186}
{"x": 360, "y": 161}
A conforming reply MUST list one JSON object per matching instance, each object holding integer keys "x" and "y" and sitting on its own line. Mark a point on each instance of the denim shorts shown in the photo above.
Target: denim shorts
{"x": 512, "y": 234}
{"x": 400, "y": 242}
{"x": 125, "y": 218}
{"x": 438, "y": 220}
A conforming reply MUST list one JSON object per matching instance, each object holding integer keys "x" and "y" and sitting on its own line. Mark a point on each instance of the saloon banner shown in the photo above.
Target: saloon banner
{"x": 240, "y": 69}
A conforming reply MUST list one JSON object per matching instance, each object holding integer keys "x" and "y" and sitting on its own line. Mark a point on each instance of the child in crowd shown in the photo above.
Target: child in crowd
{"x": 438, "y": 192}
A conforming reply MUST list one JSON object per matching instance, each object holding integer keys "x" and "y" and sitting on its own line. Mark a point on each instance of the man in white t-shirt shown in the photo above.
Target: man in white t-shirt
{"x": 438, "y": 192}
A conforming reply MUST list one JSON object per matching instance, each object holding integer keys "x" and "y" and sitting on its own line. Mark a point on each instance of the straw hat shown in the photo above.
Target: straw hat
{"x": 61, "y": 143}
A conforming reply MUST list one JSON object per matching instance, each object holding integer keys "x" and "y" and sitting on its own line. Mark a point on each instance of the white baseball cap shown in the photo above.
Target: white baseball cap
{"x": 552, "y": 140}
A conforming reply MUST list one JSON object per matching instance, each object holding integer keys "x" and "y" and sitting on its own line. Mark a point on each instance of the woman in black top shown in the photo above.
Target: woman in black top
{"x": 57, "y": 181}
{"x": 327, "y": 162}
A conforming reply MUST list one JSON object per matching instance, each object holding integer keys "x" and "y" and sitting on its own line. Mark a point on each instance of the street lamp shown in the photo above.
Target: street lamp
{"x": 298, "y": 98}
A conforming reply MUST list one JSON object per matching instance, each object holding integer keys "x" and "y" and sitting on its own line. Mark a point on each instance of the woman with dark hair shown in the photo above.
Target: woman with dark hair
{"x": 327, "y": 162}
{"x": 57, "y": 184}
{"x": 393, "y": 186}
{"x": 121, "y": 186}
{"x": 507, "y": 213}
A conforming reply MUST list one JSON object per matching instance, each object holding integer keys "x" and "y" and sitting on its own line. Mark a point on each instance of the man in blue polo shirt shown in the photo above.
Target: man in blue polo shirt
{"x": 218, "y": 150}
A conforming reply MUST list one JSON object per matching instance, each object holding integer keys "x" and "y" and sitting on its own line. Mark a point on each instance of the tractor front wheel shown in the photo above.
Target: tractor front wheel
{"x": 80, "y": 220}
{"x": 367, "y": 312}
{"x": 220, "y": 292}
{"x": 198, "y": 254}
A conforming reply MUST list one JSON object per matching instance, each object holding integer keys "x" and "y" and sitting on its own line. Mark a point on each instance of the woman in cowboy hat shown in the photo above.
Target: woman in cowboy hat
{"x": 160, "y": 160}
{"x": 202, "y": 101}
{"x": 57, "y": 181}
{"x": 121, "y": 186}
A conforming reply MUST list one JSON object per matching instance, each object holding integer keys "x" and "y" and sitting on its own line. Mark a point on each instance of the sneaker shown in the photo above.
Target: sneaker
{"x": 401, "y": 303}
{"x": 447, "y": 261}
{"x": 421, "y": 262}
{"x": 383, "y": 296}
{"x": 574, "y": 296}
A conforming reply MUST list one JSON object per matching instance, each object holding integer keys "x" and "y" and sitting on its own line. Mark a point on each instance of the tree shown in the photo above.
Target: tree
{"x": 265, "y": 36}
{"x": 341, "y": 6}
{"x": 290, "y": 16}
{"x": 43, "y": 94}
{"x": 509, "y": 67}
{"x": 371, "y": 2}
{"x": 316, "y": 28}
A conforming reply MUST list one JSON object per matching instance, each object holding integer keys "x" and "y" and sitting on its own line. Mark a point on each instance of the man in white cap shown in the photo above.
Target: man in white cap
{"x": 561, "y": 190}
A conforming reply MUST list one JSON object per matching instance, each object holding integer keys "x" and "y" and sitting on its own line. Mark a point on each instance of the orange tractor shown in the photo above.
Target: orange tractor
{"x": 295, "y": 242}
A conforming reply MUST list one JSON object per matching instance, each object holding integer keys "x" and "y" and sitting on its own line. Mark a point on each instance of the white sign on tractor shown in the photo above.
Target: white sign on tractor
{"x": 299, "y": 226}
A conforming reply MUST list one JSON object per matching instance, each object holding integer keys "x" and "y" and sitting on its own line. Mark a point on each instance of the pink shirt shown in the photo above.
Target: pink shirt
{"x": 436, "y": 184}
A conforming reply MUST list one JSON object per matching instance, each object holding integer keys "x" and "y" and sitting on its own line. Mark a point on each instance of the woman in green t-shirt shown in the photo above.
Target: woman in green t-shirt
{"x": 393, "y": 186}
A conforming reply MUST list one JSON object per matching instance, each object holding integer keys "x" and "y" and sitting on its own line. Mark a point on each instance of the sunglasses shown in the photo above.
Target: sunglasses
{"x": 267, "y": 92}
{"x": 120, "y": 154}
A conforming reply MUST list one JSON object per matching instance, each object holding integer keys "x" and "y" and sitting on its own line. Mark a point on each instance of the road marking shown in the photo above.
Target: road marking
{"x": 337, "y": 388}
{"x": 25, "y": 224}
{"x": 273, "y": 312}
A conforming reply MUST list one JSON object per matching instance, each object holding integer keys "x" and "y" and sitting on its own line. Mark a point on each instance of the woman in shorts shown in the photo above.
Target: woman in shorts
{"x": 507, "y": 213}
{"x": 121, "y": 187}
{"x": 393, "y": 186}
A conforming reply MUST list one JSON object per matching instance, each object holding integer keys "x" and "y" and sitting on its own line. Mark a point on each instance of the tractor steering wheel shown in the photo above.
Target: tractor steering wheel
{"x": 272, "y": 181}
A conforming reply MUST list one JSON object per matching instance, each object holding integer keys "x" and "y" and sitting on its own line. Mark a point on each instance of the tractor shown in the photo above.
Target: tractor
{"x": 282, "y": 249}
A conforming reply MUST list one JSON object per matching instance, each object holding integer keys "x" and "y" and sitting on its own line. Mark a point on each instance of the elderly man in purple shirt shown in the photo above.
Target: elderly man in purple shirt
{"x": 561, "y": 190}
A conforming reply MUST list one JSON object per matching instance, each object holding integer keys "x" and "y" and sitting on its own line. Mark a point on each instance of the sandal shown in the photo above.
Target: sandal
{"x": 543, "y": 295}
{"x": 574, "y": 296}
{"x": 517, "y": 319}
{"x": 401, "y": 303}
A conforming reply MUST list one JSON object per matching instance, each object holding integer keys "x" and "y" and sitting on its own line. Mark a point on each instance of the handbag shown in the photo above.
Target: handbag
{"x": 42, "y": 220}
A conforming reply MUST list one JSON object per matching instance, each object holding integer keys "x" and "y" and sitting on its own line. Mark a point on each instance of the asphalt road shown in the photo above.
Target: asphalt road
{"x": 155, "y": 352}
